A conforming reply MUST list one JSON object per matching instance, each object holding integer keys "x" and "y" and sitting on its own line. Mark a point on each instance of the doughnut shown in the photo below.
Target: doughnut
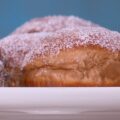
{"x": 64, "y": 52}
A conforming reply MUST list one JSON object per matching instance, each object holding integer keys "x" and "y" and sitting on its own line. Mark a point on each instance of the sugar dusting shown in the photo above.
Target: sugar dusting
{"x": 1, "y": 74}
{"x": 51, "y": 24}
{"x": 23, "y": 48}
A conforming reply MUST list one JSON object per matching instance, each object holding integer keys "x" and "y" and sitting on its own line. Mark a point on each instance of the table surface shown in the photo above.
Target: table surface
{"x": 60, "y": 103}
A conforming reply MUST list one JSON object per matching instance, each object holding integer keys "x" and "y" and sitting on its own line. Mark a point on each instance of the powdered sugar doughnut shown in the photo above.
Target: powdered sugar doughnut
{"x": 70, "y": 55}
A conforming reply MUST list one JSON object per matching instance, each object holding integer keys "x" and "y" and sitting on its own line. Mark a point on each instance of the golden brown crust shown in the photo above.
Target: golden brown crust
{"x": 91, "y": 66}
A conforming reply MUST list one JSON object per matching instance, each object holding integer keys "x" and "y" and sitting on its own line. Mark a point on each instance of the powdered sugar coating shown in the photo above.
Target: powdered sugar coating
{"x": 51, "y": 24}
{"x": 1, "y": 74}
{"x": 21, "y": 49}
{"x": 1, "y": 66}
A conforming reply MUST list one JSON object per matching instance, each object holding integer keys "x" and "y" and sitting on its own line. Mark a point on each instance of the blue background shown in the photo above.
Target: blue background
{"x": 15, "y": 12}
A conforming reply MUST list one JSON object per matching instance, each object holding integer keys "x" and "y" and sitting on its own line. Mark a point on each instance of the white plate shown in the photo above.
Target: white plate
{"x": 60, "y": 103}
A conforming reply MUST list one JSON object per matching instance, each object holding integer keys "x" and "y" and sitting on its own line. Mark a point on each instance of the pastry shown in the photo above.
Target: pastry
{"x": 70, "y": 55}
